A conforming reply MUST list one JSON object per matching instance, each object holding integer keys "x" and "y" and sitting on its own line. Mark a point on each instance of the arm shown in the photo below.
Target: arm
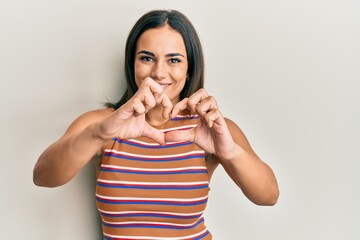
{"x": 62, "y": 160}
{"x": 226, "y": 144}
{"x": 254, "y": 177}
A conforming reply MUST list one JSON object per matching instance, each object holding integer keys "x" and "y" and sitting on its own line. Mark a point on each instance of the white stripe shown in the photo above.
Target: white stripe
{"x": 153, "y": 199}
{"x": 152, "y": 156}
{"x": 160, "y": 223}
{"x": 178, "y": 128}
{"x": 154, "y": 183}
{"x": 156, "y": 169}
{"x": 143, "y": 143}
{"x": 157, "y": 238}
{"x": 186, "y": 116}
{"x": 149, "y": 212}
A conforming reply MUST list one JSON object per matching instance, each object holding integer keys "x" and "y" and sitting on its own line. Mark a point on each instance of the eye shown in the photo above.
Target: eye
{"x": 174, "y": 60}
{"x": 146, "y": 59}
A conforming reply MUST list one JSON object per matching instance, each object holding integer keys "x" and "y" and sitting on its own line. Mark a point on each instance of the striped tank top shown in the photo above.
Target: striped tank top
{"x": 148, "y": 191}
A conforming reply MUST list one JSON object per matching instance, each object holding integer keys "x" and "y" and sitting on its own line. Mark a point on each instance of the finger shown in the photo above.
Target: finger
{"x": 133, "y": 106}
{"x": 148, "y": 100}
{"x": 180, "y": 106}
{"x": 154, "y": 134}
{"x": 214, "y": 116}
{"x": 137, "y": 107}
{"x": 206, "y": 105}
{"x": 180, "y": 136}
{"x": 166, "y": 103}
{"x": 153, "y": 86}
{"x": 145, "y": 95}
{"x": 155, "y": 93}
{"x": 196, "y": 99}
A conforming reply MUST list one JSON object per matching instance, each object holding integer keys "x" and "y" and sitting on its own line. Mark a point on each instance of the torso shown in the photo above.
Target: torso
{"x": 148, "y": 191}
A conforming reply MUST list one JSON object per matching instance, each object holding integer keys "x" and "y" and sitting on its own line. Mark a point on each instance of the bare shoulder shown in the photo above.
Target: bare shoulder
{"x": 87, "y": 119}
{"x": 239, "y": 136}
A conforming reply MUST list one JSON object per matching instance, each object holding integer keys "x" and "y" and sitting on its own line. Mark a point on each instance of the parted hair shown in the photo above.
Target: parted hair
{"x": 180, "y": 23}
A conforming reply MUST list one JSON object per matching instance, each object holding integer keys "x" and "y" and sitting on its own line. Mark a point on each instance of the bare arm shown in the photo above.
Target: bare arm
{"x": 62, "y": 160}
{"x": 223, "y": 140}
{"x": 254, "y": 177}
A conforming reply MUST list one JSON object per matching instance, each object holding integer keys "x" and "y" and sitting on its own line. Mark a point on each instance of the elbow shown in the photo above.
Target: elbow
{"x": 268, "y": 199}
{"x": 40, "y": 183}
{"x": 41, "y": 180}
{"x": 43, "y": 183}
{"x": 37, "y": 180}
{"x": 270, "y": 194}
{"x": 38, "y": 175}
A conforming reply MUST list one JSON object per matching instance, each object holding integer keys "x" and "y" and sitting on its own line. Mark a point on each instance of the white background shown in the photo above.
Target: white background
{"x": 287, "y": 72}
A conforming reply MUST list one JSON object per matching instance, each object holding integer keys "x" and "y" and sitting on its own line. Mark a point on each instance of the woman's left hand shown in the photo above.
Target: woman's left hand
{"x": 224, "y": 139}
{"x": 212, "y": 133}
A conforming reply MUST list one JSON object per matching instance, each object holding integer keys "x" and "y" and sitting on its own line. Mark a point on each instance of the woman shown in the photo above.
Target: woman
{"x": 160, "y": 144}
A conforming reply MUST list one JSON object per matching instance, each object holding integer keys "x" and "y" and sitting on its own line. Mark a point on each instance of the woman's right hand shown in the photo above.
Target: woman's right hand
{"x": 129, "y": 120}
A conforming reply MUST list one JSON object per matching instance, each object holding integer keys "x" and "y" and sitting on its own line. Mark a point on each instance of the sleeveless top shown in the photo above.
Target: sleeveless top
{"x": 148, "y": 191}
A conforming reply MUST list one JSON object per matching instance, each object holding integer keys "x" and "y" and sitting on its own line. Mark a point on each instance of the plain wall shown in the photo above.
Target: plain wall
{"x": 287, "y": 72}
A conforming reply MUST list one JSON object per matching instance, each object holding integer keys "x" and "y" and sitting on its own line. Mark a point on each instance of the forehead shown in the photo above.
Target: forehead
{"x": 161, "y": 40}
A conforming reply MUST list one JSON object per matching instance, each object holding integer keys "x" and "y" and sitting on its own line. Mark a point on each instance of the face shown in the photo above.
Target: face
{"x": 161, "y": 55}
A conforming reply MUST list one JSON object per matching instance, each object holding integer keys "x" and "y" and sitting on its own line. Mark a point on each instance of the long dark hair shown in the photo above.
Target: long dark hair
{"x": 182, "y": 25}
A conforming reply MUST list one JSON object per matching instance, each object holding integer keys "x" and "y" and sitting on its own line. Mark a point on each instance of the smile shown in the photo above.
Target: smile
{"x": 164, "y": 85}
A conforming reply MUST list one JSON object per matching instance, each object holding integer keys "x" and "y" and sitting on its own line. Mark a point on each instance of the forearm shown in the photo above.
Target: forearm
{"x": 253, "y": 176}
{"x": 60, "y": 162}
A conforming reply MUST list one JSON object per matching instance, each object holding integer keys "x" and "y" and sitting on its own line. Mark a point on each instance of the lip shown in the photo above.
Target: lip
{"x": 164, "y": 85}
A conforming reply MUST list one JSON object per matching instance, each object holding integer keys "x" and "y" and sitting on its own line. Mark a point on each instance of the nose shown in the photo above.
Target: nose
{"x": 159, "y": 71}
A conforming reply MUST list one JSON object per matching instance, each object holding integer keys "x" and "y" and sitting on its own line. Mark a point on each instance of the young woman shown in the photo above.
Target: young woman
{"x": 159, "y": 145}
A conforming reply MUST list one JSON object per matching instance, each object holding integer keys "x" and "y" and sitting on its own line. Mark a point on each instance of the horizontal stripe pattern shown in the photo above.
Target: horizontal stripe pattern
{"x": 154, "y": 201}
{"x": 139, "y": 224}
{"x": 152, "y": 185}
{"x": 130, "y": 214}
{"x": 197, "y": 236}
{"x": 140, "y": 144}
{"x": 152, "y": 171}
{"x": 139, "y": 157}
{"x": 148, "y": 191}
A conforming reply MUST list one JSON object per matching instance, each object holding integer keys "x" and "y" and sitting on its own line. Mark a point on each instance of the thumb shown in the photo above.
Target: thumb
{"x": 180, "y": 136}
{"x": 154, "y": 134}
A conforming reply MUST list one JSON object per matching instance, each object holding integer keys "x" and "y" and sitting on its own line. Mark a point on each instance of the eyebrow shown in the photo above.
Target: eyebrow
{"x": 167, "y": 55}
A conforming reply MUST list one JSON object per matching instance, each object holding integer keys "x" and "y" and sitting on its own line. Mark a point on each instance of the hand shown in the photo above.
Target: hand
{"x": 212, "y": 133}
{"x": 129, "y": 120}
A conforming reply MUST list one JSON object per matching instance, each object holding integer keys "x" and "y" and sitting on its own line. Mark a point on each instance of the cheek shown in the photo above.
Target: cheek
{"x": 181, "y": 73}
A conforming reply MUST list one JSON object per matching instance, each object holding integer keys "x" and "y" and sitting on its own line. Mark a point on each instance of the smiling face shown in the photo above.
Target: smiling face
{"x": 161, "y": 55}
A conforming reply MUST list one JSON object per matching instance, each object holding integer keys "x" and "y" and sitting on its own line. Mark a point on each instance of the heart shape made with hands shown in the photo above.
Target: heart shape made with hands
{"x": 150, "y": 95}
